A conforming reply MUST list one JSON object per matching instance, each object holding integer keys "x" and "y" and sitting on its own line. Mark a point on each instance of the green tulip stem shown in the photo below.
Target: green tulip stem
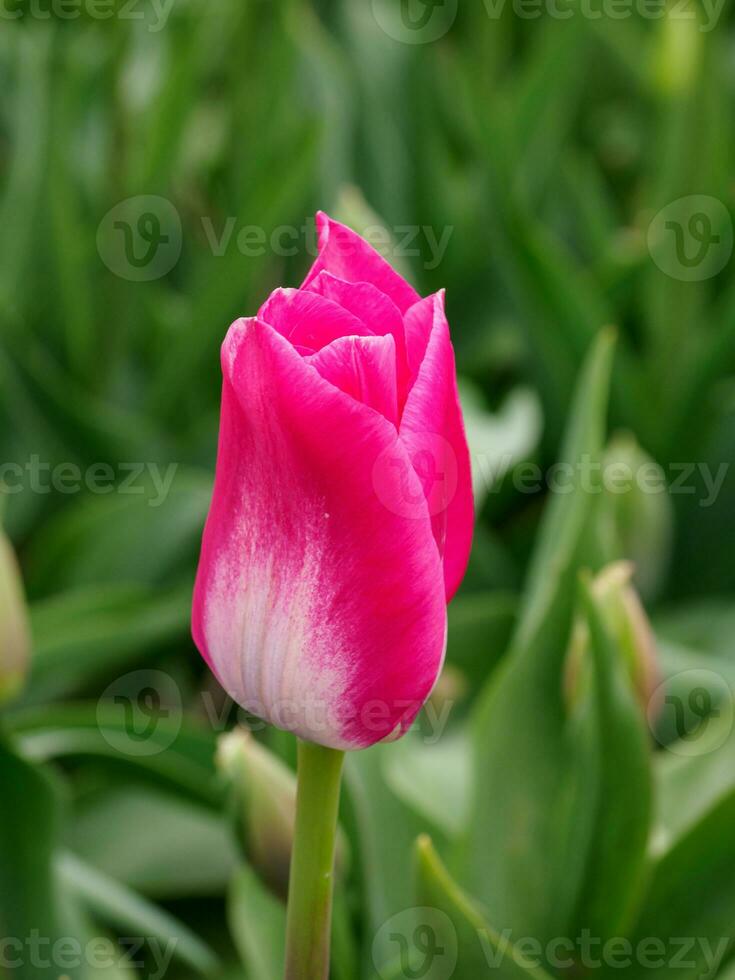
{"x": 311, "y": 878}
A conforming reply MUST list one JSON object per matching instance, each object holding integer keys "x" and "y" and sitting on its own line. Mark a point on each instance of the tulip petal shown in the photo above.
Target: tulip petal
{"x": 364, "y": 368}
{"x": 433, "y": 432}
{"x": 319, "y": 603}
{"x": 377, "y": 311}
{"x": 310, "y": 321}
{"x": 348, "y": 256}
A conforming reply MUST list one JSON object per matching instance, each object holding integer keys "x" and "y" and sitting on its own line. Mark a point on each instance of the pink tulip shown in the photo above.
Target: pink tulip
{"x": 341, "y": 520}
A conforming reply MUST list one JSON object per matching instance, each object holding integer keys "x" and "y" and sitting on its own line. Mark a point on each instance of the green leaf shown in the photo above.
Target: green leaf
{"x": 85, "y": 422}
{"x": 728, "y": 972}
{"x": 690, "y": 903}
{"x": 458, "y": 925}
{"x": 257, "y": 923}
{"x": 162, "y": 845}
{"x": 706, "y": 625}
{"x": 344, "y": 953}
{"x": 112, "y": 963}
{"x": 83, "y": 635}
{"x": 530, "y": 823}
{"x": 694, "y": 643}
{"x": 691, "y": 780}
{"x": 179, "y": 754}
{"x": 384, "y": 832}
{"x": 686, "y": 672}
{"x": 621, "y": 785}
{"x": 563, "y": 525}
{"x": 143, "y": 536}
{"x": 127, "y": 912}
{"x": 432, "y": 779}
{"x": 28, "y": 830}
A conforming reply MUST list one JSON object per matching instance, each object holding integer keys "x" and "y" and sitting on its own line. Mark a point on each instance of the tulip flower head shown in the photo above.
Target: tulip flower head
{"x": 341, "y": 518}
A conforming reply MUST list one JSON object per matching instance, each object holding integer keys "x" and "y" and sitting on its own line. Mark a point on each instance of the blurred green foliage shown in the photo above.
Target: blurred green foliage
{"x": 556, "y": 174}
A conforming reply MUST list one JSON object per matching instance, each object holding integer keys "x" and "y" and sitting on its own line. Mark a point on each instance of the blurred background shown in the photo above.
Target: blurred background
{"x": 555, "y": 166}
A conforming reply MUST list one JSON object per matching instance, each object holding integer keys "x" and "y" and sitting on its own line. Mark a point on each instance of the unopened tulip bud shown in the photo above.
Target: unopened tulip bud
{"x": 629, "y": 627}
{"x": 265, "y": 790}
{"x": 15, "y": 640}
{"x": 638, "y": 512}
